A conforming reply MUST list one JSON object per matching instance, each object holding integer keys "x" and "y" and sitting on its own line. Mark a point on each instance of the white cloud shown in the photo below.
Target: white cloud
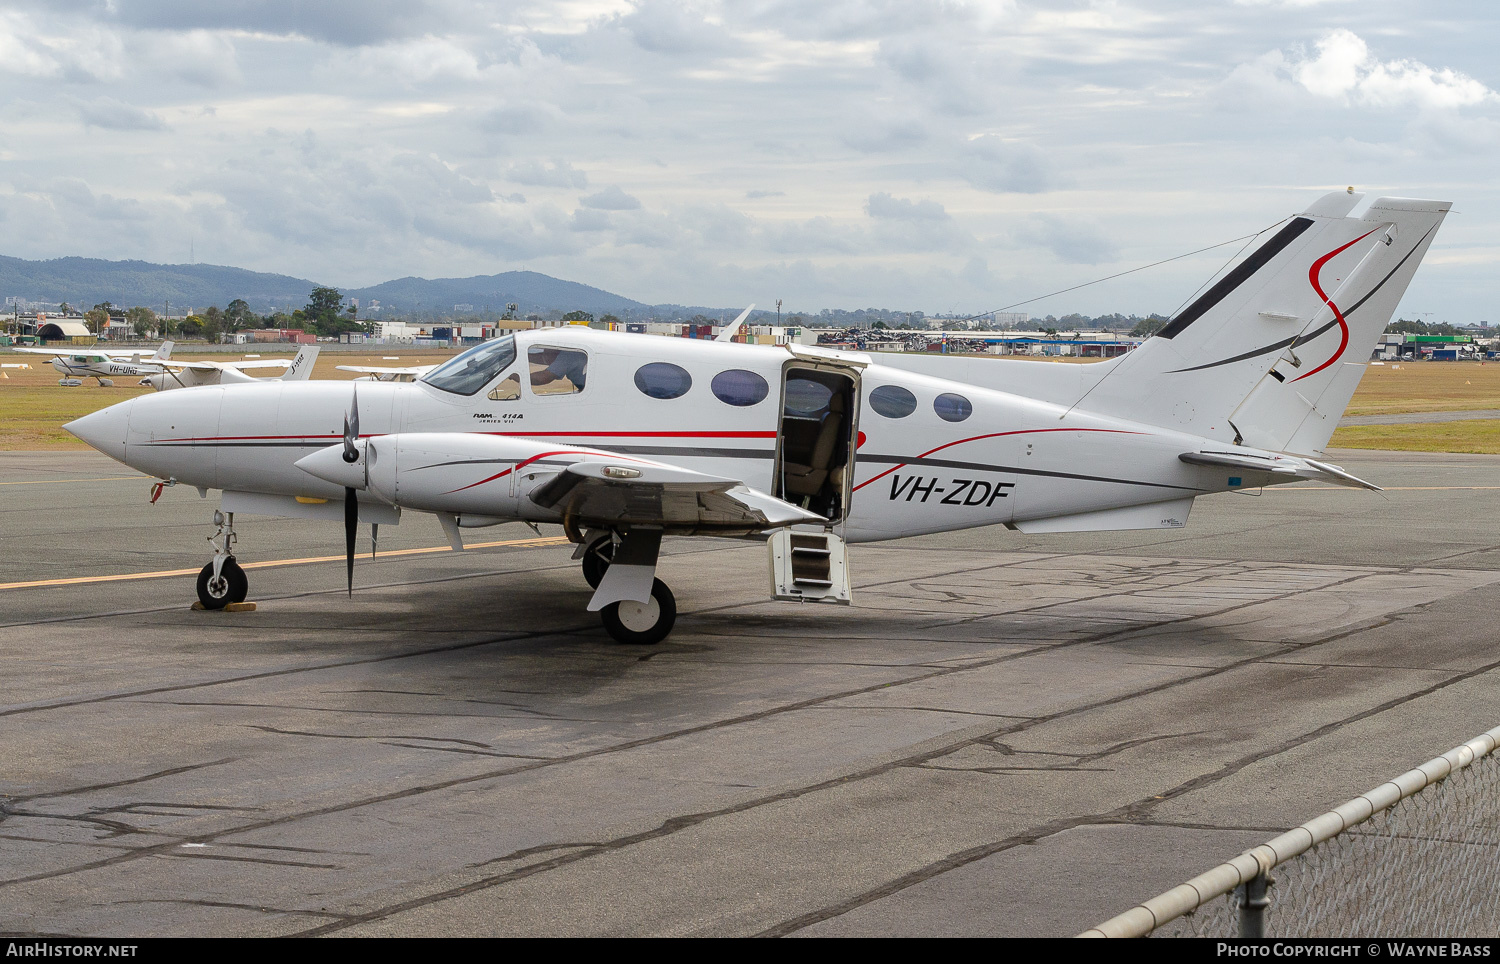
{"x": 611, "y": 199}
{"x": 113, "y": 115}
{"x": 1344, "y": 69}
{"x": 883, "y": 205}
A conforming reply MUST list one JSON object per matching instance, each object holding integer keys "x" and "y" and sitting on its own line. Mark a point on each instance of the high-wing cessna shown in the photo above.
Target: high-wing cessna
{"x": 76, "y": 364}
{"x": 622, "y": 439}
{"x": 191, "y": 374}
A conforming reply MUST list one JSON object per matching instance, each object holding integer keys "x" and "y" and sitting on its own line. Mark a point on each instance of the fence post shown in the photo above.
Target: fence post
{"x": 1253, "y": 903}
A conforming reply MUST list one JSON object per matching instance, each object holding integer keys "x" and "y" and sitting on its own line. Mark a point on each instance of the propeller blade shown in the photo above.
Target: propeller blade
{"x": 351, "y": 430}
{"x": 374, "y": 538}
{"x": 351, "y": 526}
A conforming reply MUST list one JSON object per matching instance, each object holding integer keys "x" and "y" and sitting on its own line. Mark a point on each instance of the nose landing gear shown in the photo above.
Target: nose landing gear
{"x": 222, "y": 581}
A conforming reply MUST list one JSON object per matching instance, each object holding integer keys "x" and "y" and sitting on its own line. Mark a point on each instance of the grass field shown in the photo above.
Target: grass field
{"x": 33, "y": 407}
{"x": 1479, "y": 436}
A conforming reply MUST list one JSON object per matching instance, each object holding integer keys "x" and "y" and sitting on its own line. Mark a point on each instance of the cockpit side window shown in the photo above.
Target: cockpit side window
{"x": 557, "y": 371}
{"x": 467, "y": 373}
{"x": 508, "y": 390}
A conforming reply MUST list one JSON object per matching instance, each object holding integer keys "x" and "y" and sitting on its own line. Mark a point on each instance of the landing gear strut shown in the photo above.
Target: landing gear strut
{"x": 635, "y": 606}
{"x": 222, "y": 581}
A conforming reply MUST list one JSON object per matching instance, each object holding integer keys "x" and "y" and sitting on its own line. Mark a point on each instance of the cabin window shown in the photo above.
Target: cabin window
{"x": 807, "y": 398}
{"x": 557, "y": 371}
{"x": 467, "y": 373}
{"x": 893, "y": 401}
{"x": 952, "y": 408}
{"x": 663, "y": 380}
{"x": 739, "y": 387}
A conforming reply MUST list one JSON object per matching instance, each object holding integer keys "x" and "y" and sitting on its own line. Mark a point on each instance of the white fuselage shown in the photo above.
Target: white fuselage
{"x": 1011, "y": 459}
{"x": 100, "y": 366}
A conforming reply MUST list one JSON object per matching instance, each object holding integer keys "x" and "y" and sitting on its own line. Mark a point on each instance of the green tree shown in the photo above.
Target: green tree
{"x": 142, "y": 321}
{"x": 578, "y": 316}
{"x": 97, "y": 319}
{"x": 191, "y": 327}
{"x": 1148, "y": 326}
{"x": 213, "y": 323}
{"x": 611, "y": 319}
{"x": 324, "y": 302}
{"x": 238, "y": 315}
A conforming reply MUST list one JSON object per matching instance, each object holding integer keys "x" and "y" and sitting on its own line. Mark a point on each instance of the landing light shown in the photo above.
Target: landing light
{"x": 620, "y": 472}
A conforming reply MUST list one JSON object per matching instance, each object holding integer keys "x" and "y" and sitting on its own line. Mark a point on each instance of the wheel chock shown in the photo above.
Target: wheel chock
{"x": 239, "y": 607}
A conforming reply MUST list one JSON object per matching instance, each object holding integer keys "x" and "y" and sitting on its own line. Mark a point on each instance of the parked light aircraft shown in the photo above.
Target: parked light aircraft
{"x": 190, "y": 374}
{"x": 378, "y": 373}
{"x": 76, "y": 364}
{"x": 623, "y": 438}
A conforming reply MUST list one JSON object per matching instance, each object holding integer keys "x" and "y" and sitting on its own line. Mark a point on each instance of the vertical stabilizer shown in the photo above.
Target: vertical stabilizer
{"x": 1270, "y": 354}
{"x": 1298, "y": 402}
{"x": 302, "y": 366}
{"x": 163, "y": 352}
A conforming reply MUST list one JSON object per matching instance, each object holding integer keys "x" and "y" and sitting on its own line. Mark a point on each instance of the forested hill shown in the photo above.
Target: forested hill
{"x": 528, "y": 289}
{"x": 85, "y": 282}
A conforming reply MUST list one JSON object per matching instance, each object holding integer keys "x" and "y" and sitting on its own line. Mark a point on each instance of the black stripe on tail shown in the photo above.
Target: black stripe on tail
{"x": 1237, "y": 277}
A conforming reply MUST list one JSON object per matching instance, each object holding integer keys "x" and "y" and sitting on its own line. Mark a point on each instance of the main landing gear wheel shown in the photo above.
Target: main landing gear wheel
{"x": 231, "y": 587}
{"x": 596, "y": 560}
{"x": 642, "y": 624}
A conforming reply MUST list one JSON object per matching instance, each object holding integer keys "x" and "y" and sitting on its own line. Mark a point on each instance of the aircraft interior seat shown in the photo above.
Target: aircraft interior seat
{"x": 808, "y": 479}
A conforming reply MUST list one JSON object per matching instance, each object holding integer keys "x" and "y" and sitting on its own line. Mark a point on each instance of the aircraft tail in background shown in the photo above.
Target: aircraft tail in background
{"x": 301, "y": 368}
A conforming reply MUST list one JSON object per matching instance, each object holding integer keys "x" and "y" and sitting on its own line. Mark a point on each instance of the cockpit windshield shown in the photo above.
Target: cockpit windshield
{"x": 467, "y": 373}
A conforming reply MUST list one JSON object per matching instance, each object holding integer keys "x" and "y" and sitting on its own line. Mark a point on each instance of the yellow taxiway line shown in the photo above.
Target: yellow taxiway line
{"x": 122, "y": 577}
{"x": 108, "y": 478}
{"x": 1388, "y": 488}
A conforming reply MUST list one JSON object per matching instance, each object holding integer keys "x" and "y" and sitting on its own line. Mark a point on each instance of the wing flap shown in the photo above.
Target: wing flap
{"x": 600, "y": 493}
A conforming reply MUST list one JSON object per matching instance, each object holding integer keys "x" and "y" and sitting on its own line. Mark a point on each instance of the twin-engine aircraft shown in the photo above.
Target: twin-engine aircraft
{"x": 102, "y": 364}
{"x": 624, "y": 439}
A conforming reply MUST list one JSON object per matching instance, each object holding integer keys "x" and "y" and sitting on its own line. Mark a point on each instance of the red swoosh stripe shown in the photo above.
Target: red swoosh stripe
{"x": 1312, "y": 277}
{"x": 1024, "y": 431}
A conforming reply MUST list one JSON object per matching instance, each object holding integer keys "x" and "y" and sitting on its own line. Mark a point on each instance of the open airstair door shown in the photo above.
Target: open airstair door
{"x": 815, "y": 443}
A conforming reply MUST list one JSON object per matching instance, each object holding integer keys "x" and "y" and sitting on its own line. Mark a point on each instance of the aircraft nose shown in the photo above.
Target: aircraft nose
{"x": 106, "y": 429}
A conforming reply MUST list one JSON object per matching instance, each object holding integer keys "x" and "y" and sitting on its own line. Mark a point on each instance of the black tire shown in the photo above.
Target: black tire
{"x": 231, "y": 588}
{"x": 596, "y": 559}
{"x": 636, "y": 627}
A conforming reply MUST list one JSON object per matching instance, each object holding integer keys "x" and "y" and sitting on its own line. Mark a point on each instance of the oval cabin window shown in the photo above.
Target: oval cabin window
{"x": 663, "y": 380}
{"x": 893, "y": 401}
{"x": 739, "y": 387}
{"x": 952, "y": 408}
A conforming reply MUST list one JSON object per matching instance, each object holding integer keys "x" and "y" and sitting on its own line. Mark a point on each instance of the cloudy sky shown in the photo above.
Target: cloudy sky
{"x": 849, "y": 153}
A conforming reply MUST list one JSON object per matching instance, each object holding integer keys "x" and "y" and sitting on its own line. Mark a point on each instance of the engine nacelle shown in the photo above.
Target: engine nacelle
{"x": 451, "y": 472}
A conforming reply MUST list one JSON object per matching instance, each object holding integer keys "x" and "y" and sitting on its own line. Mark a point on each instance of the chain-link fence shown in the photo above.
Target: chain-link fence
{"x": 1416, "y": 857}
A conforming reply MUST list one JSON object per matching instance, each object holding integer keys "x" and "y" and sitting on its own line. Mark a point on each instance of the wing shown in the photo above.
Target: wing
{"x": 415, "y": 371}
{"x": 605, "y": 493}
{"x": 1285, "y": 468}
{"x": 212, "y": 366}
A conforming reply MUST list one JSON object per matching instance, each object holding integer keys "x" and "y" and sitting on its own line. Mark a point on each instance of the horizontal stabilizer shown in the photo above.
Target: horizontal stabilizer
{"x": 1288, "y": 466}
